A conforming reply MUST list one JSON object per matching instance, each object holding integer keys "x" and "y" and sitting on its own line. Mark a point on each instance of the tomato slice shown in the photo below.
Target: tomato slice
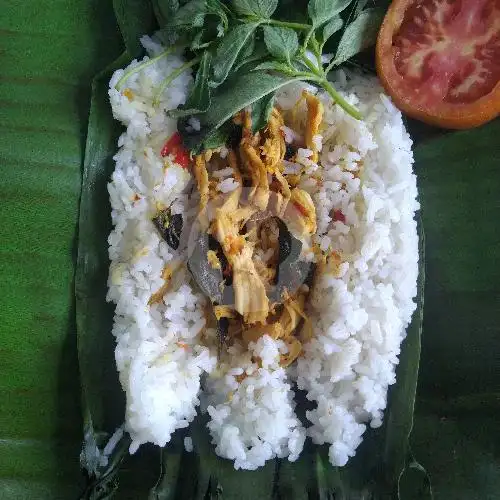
{"x": 439, "y": 60}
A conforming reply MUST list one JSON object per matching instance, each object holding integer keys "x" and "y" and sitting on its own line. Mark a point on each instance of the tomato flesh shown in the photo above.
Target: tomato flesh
{"x": 448, "y": 51}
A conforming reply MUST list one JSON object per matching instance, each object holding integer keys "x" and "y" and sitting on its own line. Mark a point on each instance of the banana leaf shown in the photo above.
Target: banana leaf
{"x": 456, "y": 430}
{"x": 49, "y": 53}
{"x": 375, "y": 472}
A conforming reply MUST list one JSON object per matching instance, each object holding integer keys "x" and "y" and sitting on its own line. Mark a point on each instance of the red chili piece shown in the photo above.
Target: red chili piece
{"x": 174, "y": 147}
{"x": 300, "y": 208}
{"x": 338, "y": 216}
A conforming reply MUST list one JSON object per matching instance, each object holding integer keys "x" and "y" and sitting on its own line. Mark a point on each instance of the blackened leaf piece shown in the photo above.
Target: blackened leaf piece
{"x": 291, "y": 273}
{"x": 208, "y": 278}
{"x": 169, "y": 226}
{"x": 222, "y": 330}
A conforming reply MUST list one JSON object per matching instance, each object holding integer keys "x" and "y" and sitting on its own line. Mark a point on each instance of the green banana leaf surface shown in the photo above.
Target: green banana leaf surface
{"x": 50, "y": 51}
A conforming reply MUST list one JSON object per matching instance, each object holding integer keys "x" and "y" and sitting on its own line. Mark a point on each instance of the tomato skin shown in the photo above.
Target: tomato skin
{"x": 444, "y": 114}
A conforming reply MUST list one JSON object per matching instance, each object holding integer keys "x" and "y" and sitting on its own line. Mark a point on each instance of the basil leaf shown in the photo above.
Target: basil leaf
{"x": 275, "y": 66}
{"x": 228, "y": 50}
{"x": 218, "y": 9}
{"x": 321, "y": 11}
{"x": 198, "y": 100}
{"x": 261, "y": 110}
{"x": 247, "y": 50}
{"x": 359, "y": 35}
{"x": 330, "y": 29}
{"x": 164, "y": 10}
{"x": 198, "y": 41}
{"x": 259, "y": 52}
{"x": 360, "y": 5}
{"x": 191, "y": 14}
{"x": 241, "y": 92}
{"x": 255, "y": 8}
{"x": 282, "y": 43}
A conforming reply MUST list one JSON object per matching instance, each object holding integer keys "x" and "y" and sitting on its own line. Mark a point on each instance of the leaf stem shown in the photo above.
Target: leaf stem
{"x": 330, "y": 66}
{"x": 144, "y": 65}
{"x": 348, "y": 108}
{"x": 286, "y": 24}
{"x": 170, "y": 78}
{"x": 314, "y": 69}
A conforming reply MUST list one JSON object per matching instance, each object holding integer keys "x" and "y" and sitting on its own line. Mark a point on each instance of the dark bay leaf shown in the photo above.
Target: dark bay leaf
{"x": 207, "y": 278}
{"x": 169, "y": 226}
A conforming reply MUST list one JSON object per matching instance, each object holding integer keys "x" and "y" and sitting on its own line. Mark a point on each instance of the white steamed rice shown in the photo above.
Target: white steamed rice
{"x": 359, "y": 318}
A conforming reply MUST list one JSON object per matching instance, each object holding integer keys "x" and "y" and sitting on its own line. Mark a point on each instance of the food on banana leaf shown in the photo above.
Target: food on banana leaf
{"x": 295, "y": 252}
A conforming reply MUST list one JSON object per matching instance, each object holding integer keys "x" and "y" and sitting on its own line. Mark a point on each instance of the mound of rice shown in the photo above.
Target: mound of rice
{"x": 165, "y": 353}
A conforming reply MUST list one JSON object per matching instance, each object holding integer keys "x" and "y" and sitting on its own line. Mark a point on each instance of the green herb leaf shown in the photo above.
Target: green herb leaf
{"x": 217, "y": 8}
{"x": 164, "y": 10}
{"x": 241, "y": 92}
{"x": 198, "y": 100}
{"x": 282, "y": 43}
{"x": 261, "y": 111}
{"x": 198, "y": 41}
{"x": 228, "y": 50}
{"x": 247, "y": 51}
{"x": 329, "y": 29}
{"x": 259, "y": 52}
{"x": 261, "y": 9}
{"x": 275, "y": 66}
{"x": 321, "y": 11}
{"x": 360, "y": 5}
{"x": 359, "y": 35}
{"x": 191, "y": 14}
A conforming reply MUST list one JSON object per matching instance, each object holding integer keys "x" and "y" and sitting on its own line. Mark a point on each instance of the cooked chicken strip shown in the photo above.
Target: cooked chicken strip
{"x": 201, "y": 176}
{"x": 256, "y": 170}
{"x": 301, "y": 213}
{"x": 314, "y": 117}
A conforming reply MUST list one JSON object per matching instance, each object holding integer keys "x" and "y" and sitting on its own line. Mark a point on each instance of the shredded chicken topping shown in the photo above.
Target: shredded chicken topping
{"x": 242, "y": 222}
